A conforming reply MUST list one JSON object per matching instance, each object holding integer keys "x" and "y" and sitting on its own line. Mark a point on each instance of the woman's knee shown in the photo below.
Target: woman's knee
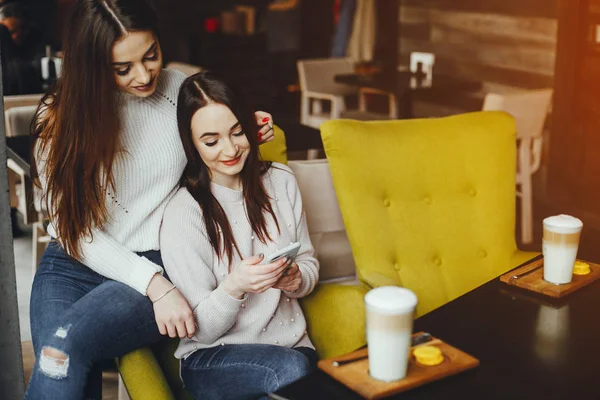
{"x": 292, "y": 366}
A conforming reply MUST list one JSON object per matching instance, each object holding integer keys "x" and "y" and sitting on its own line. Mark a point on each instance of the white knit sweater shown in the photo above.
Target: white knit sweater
{"x": 273, "y": 317}
{"x": 146, "y": 175}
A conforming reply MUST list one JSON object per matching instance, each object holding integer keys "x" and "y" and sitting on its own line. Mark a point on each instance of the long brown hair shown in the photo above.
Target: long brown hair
{"x": 196, "y": 92}
{"x": 77, "y": 124}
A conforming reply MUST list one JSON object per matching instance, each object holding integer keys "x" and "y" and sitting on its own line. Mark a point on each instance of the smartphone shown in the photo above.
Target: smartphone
{"x": 290, "y": 252}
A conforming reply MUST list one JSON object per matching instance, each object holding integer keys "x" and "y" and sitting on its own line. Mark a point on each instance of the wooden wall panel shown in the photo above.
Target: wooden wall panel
{"x": 524, "y": 8}
{"x": 506, "y": 45}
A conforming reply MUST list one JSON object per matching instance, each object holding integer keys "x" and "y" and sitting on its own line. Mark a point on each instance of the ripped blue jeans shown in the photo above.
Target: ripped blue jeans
{"x": 80, "y": 319}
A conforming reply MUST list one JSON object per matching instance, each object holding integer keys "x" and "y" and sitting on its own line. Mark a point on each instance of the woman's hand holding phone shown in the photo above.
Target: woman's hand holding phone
{"x": 251, "y": 277}
{"x": 291, "y": 279}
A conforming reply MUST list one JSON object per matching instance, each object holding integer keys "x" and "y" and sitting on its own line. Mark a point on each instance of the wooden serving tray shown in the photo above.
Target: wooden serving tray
{"x": 356, "y": 376}
{"x": 531, "y": 277}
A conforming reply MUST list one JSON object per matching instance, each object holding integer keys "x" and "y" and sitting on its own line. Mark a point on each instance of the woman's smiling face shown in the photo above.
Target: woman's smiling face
{"x": 137, "y": 62}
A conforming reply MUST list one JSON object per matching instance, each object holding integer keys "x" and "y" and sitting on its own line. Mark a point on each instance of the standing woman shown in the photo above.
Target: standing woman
{"x": 108, "y": 158}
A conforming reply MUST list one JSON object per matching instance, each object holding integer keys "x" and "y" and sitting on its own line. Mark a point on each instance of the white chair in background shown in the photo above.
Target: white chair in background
{"x": 529, "y": 108}
{"x": 187, "y": 69}
{"x": 317, "y": 83}
{"x": 10, "y": 102}
{"x": 18, "y": 123}
{"x": 17, "y": 120}
{"x": 14, "y": 107}
{"x": 21, "y": 100}
{"x": 324, "y": 219}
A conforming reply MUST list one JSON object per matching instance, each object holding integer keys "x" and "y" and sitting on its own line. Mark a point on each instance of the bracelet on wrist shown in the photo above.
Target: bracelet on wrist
{"x": 164, "y": 294}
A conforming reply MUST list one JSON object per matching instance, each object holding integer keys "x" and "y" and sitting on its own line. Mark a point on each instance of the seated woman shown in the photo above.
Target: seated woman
{"x": 232, "y": 210}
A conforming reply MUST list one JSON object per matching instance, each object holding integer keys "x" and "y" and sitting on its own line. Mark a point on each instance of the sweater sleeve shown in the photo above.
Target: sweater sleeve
{"x": 188, "y": 258}
{"x": 102, "y": 253}
{"x": 307, "y": 263}
{"x": 111, "y": 259}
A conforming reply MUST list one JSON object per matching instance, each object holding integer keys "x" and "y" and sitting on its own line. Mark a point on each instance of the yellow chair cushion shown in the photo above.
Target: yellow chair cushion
{"x": 428, "y": 204}
{"x": 335, "y": 315}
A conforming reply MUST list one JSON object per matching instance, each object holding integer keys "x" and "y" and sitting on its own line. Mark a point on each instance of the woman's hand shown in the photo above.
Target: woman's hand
{"x": 250, "y": 277}
{"x": 265, "y": 121}
{"x": 290, "y": 280}
{"x": 172, "y": 312}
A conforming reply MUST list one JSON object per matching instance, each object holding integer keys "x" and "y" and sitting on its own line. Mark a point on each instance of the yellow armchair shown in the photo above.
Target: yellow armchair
{"x": 428, "y": 204}
{"x": 154, "y": 374}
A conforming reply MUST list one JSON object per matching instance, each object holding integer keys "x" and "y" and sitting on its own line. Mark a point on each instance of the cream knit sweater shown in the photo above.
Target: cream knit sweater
{"x": 146, "y": 175}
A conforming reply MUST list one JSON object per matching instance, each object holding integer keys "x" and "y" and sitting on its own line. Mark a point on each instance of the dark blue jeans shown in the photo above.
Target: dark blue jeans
{"x": 244, "y": 371}
{"x": 86, "y": 317}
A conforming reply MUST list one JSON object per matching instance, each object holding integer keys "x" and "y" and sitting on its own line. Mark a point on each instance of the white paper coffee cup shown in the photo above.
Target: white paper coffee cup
{"x": 390, "y": 311}
{"x": 560, "y": 245}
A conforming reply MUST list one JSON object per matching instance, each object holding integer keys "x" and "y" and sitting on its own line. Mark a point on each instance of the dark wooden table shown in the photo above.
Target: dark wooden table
{"x": 405, "y": 85}
{"x": 402, "y": 81}
{"x": 530, "y": 347}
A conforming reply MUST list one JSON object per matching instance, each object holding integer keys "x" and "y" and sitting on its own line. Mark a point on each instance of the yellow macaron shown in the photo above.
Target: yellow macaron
{"x": 581, "y": 268}
{"x": 428, "y": 355}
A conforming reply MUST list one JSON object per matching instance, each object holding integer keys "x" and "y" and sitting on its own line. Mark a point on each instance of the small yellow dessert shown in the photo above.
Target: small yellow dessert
{"x": 581, "y": 268}
{"x": 428, "y": 355}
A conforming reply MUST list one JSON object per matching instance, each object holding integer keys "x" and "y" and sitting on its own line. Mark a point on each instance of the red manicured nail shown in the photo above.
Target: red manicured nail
{"x": 265, "y": 119}
{"x": 259, "y": 135}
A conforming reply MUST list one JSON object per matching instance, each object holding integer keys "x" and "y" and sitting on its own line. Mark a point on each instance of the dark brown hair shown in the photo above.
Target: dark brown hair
{"x": 196, "y": 92}
{"x": 77, "y": 124}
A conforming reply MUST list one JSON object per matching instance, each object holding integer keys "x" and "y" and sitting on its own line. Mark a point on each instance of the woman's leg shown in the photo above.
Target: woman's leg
{"x": 246, "y": 371}
{"x": 310, "y": 354}
{"x": 59, "y": 282}
{"x": 110, "y": 320}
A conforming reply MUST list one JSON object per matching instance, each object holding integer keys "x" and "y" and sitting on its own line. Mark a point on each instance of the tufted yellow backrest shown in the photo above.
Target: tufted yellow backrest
{"x": 428, "y": 204}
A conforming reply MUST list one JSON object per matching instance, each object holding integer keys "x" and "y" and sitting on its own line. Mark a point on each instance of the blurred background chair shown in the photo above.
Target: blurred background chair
{"x": 26, "y": 197}
{"x": 21, "y": 100}
{"x": 316, "y": 78}
{"x": 529, "y": 108}
{"x": 18, "y": 120}
{"x": 18, "y": 114}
